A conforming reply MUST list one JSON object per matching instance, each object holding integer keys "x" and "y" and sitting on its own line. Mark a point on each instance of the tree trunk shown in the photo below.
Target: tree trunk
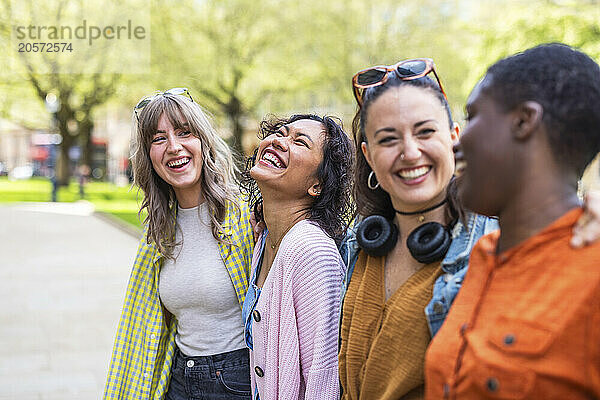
{"x": 237, "y": 134}
{"x": 63, "y": 171}
{"x": 85, "y": 139}
{"x": 233, "y": 110}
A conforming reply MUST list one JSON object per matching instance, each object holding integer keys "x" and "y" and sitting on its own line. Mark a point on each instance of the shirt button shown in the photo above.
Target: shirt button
{"x": 509, "y": 339}
{"x": 190, "y": 363}
{"x": 492, "y": 384}
{"x": 438, "y": 307}
{"x": 146, "y": 374}
{"x": 256, "y": 315}
{"x": 259, "y": 371}
{"x": 153, "y": 336}
{"x": 446, "y": 388}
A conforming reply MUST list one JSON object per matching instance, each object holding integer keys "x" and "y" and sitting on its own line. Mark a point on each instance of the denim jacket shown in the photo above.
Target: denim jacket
{"x": 454, "y": 265}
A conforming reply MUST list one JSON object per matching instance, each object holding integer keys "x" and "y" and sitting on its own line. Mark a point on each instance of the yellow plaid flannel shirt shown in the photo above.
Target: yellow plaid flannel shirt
{"x": 140, "y": 367}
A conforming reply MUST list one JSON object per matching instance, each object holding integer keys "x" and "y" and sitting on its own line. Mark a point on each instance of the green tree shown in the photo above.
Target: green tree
{"x": 526, "y": 24}
{"x": 220, "y": 54}
{"x": 81, "y": 79}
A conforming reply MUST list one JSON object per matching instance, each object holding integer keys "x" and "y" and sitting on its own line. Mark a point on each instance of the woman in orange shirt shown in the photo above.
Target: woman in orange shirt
{"x": 526, "y": 323}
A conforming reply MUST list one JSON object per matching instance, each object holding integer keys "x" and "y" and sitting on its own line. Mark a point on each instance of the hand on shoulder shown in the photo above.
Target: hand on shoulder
{"x": 587, "y": 228}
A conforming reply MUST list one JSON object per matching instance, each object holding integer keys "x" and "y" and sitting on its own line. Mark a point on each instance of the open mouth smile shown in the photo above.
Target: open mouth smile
{"x": 410, "y": 174}
{"x": 178, "y": 163}
{"x": 273, "y": 160}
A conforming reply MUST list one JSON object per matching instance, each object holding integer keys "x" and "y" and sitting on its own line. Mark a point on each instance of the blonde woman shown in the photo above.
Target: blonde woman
{"x": 181, "y": 335}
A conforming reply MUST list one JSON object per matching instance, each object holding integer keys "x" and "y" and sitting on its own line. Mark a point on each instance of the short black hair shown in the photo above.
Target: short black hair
{"x": 566, "y": 83}
{"x": 333, "y": 209}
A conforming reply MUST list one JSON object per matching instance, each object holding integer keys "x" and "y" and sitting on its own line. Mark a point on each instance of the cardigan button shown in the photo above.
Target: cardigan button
{"x": 256, "y": 315}
{"x": 259, "y": 371}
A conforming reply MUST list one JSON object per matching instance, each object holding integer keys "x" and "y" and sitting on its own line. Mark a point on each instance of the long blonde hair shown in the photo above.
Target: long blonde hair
{"x": 218, "y": 181}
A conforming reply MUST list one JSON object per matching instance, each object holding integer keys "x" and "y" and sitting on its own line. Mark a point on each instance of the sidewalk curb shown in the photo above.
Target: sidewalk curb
{"x": 117, "y": 223}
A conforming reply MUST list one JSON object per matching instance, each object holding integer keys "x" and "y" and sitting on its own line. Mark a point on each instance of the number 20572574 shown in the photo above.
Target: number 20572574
{"x": 44, "y": 47}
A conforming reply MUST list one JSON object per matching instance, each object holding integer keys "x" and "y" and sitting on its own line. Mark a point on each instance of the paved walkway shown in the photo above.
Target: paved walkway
{"x": 63, "y": 274}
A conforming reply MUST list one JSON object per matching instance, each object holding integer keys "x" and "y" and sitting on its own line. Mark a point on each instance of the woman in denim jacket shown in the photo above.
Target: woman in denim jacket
{"x": 404, "y": 134}
{"x": 397, "y": 292}
{"x": 454, "y": 264}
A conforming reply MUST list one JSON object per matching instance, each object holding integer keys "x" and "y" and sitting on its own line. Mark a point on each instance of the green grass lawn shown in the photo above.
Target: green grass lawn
{"x": 120, "y": 202}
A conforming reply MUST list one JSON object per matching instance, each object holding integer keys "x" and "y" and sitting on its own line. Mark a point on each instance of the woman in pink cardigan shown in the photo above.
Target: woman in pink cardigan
{"x": 302, "y": 168}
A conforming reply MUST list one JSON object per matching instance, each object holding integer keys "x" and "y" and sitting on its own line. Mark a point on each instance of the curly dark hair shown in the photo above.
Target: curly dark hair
{"x": 378, "y": 201}
{"x": 566, "y": 83}
{"x": 333, "y": 208}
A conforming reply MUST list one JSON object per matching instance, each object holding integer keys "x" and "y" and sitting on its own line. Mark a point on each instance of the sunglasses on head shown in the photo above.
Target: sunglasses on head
{"x": 378, "y": 75}
{"x": 148, "y": 99}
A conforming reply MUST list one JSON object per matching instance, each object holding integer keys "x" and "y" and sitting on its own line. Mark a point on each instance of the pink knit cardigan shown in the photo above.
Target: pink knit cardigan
{"x": 295, "y": 341}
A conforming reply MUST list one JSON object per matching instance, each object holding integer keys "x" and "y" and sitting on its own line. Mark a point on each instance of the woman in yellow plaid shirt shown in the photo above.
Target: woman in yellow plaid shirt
{"x": 180, "y": 334}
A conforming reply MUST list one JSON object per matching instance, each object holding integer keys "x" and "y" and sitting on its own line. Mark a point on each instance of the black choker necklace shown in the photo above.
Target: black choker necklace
{"x": 422, "y": 211}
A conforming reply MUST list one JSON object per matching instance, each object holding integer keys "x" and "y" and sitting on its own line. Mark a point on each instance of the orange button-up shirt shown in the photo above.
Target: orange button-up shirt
{"x": 526, "y": 323}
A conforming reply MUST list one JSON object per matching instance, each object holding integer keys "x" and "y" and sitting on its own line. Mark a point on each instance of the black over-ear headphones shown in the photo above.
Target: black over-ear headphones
{"x": 427, "y": 243}
{"x": 376, "y": 235}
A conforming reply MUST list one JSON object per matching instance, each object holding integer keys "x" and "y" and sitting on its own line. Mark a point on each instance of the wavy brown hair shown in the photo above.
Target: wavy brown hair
{"x": 219, "y": 186}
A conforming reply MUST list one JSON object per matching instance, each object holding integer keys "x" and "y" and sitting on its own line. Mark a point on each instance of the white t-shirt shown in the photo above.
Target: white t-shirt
{"x": 197, "y": 290}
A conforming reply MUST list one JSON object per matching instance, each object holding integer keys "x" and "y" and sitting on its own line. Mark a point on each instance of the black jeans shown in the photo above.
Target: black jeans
{"x": 217, "y": 377}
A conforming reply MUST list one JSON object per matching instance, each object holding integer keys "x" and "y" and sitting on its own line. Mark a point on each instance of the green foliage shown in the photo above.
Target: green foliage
{"x": 527, "y": 24}
{"x": 243, "y": 59}
{"x": 121, "y": 202}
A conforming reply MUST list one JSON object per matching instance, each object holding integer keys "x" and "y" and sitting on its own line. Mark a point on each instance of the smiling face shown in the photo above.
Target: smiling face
{"x": 409, "y": 146}
{"x": 176, "y": 156}
{"x": 489, "y": 166}
{"x": 288, "y": 160}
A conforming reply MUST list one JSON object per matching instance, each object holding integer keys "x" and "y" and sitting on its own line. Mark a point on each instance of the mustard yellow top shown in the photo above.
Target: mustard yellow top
{"x": 383, "y": 344}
